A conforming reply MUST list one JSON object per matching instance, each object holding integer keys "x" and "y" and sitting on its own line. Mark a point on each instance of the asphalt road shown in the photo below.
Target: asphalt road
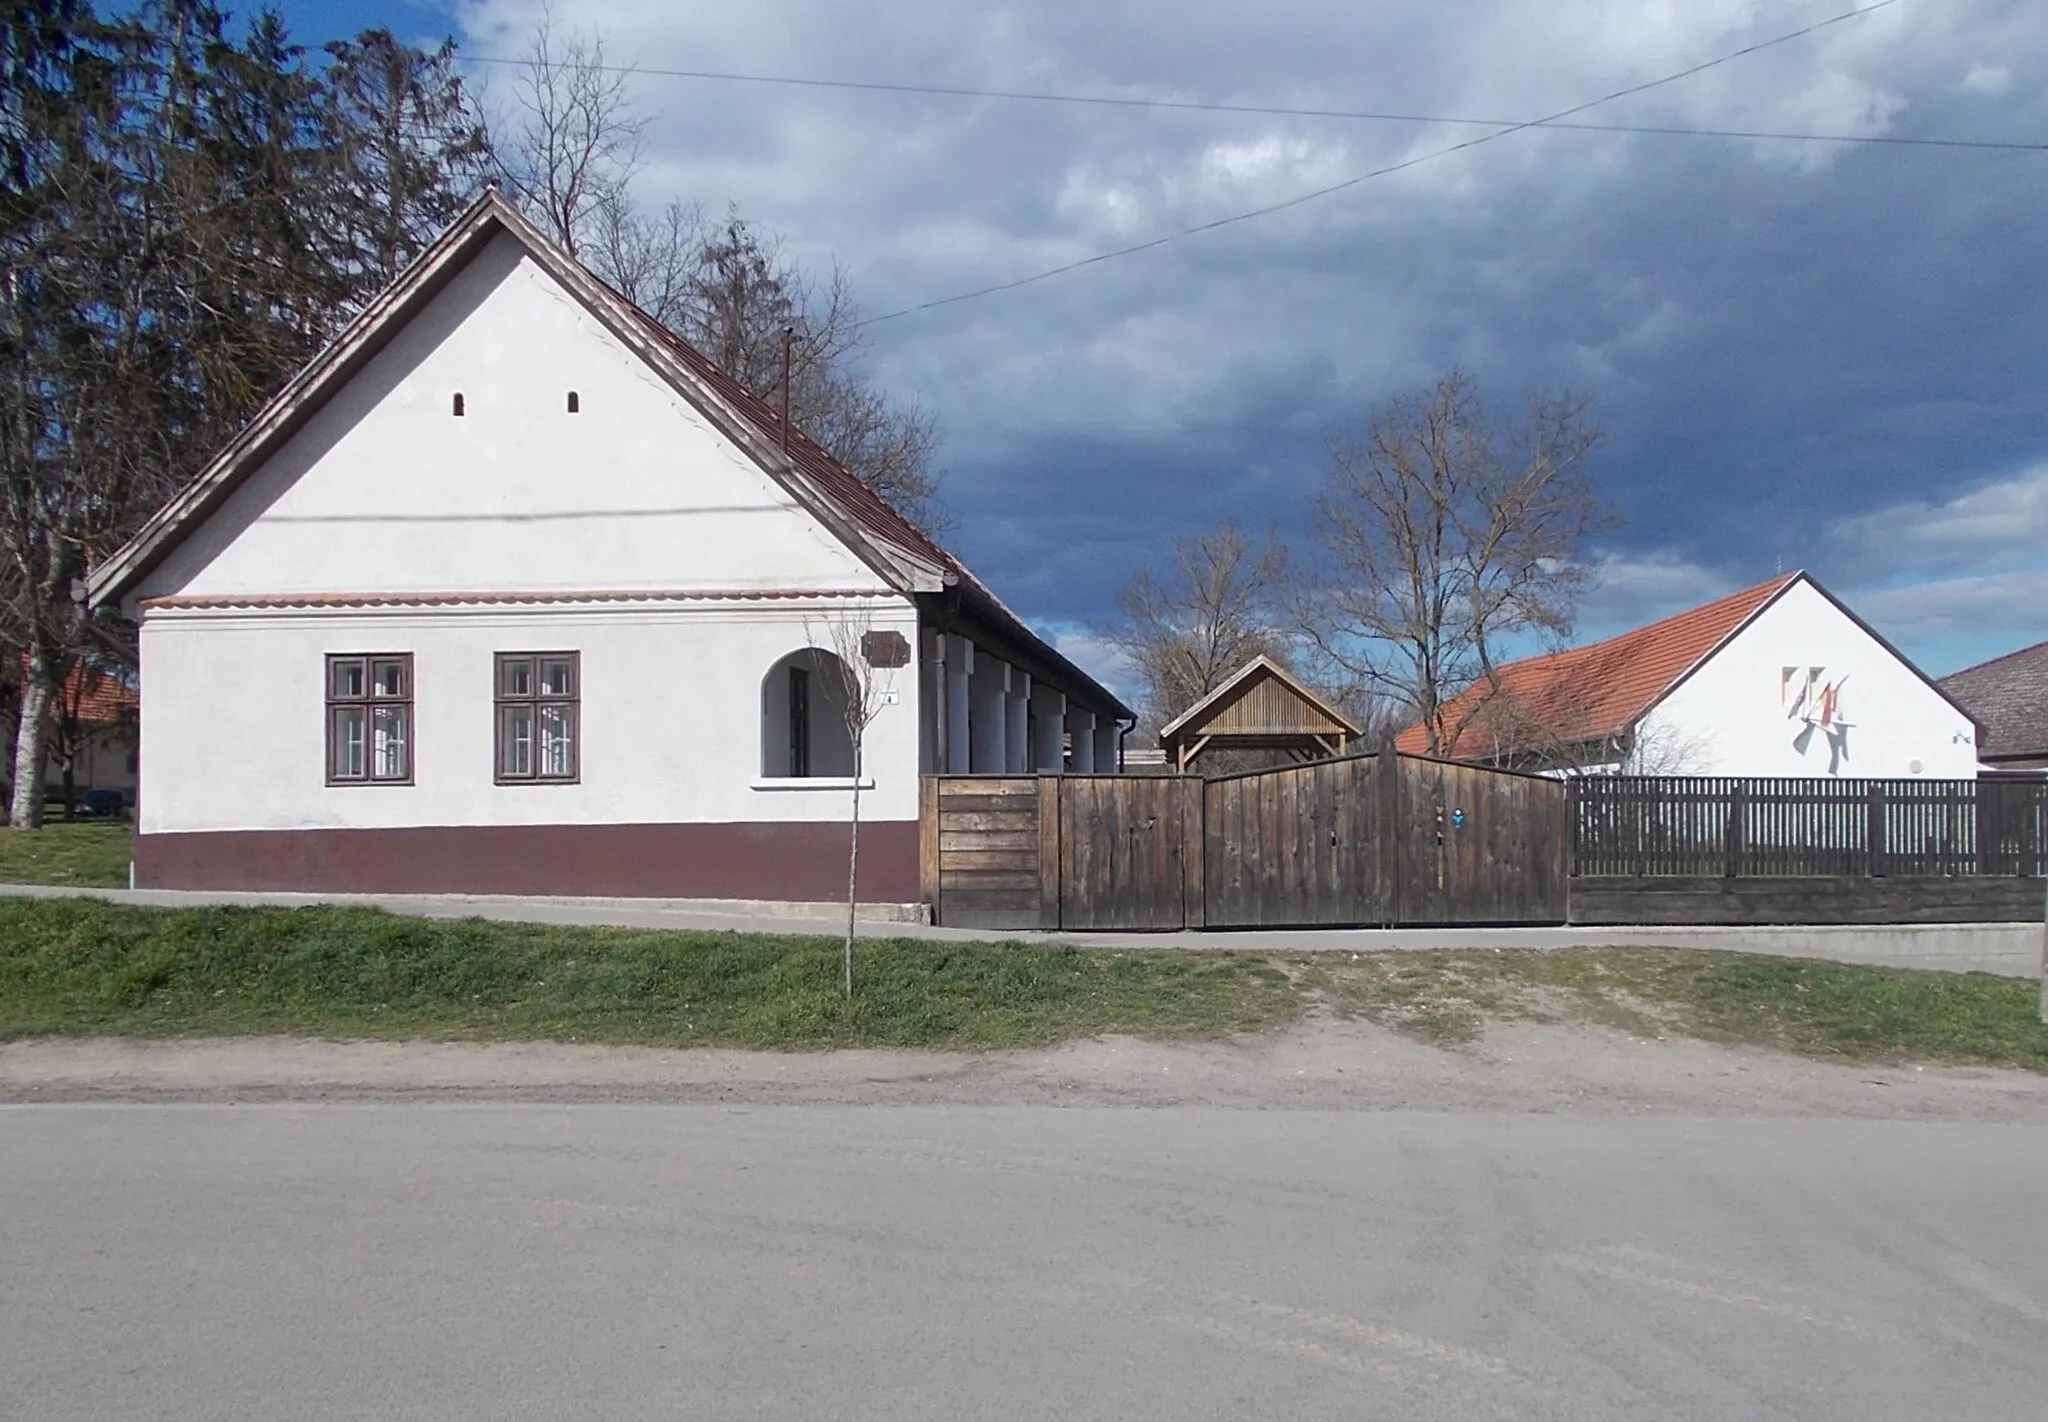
{"x": 433, "y": 1261}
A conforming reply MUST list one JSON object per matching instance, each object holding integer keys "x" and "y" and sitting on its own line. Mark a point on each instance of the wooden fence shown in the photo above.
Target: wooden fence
{"x": 1688, "y": 849}
{"x": 1364, "y": 840}
{"x": 1645, "y": 827}
{"x": 1382, "y": 841}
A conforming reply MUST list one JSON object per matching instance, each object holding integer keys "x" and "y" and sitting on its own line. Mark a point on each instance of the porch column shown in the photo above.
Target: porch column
{"x": 1017, "y": 722}
{"x": 959, "y": 696}
{"x": 1105, "y": 747}
{"x": 931, "y": 700}
{"x": 990, "y": 735}
{"x": 1049, "y": 755}
{"x": 1081, "y": 726}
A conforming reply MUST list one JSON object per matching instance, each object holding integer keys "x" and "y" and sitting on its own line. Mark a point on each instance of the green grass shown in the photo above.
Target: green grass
{"x": 84, "y": 967}
{"x": 92, "y": 853}
{"x": 1839, "y": 1010}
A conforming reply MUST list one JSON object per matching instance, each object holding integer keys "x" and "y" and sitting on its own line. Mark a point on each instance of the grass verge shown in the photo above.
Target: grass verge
{"x": 83, "y": 967}
{"x": 1841, "y": 1010}
{"x": 80, "y": 967}
{"x": 91, "y": 853}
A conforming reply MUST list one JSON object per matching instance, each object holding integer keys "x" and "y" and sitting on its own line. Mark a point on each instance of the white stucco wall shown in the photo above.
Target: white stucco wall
{"x": 233, "y": 717}
{"x": 385, "y": 490}
{"x": 1730, "y": 716}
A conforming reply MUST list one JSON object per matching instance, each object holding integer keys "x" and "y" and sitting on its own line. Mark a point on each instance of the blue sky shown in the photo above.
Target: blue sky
{"x": 1805, "y": 354}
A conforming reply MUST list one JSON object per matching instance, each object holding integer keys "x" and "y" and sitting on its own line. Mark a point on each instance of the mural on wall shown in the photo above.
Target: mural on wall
{"x": 1816, "y": 703}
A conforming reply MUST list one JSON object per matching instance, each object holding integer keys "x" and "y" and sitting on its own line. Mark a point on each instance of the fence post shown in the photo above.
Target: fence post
{"x": 928, "y": 843}
{"x": 1873, "y": 831}
{"x": 1732, "y": 831}
{"x": 1049, "y": 852}
{"x": 1194, "y": 848}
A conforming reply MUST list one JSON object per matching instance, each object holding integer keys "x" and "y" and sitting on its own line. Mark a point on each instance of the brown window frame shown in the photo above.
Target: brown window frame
{"x": 369, "y": 700}
{"x": 537, "y": 700}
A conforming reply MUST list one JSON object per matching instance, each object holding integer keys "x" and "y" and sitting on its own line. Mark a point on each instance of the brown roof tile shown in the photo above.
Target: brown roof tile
{"x": 2008, "y": 696}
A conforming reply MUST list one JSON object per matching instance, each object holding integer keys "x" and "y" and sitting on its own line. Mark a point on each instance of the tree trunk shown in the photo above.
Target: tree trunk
{"x": 70, "y": 792}
{"x": 852, "y": 876}
{"x": 26, "y": 809}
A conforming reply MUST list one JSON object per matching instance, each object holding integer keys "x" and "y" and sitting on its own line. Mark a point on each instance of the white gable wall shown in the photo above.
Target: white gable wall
{"x": 1730, "y": 718}
{"x": 385, "y": 490}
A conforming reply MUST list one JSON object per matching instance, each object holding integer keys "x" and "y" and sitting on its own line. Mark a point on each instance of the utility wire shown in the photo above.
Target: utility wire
{"x": 1283, "y": 111}
{"x": 1352, "y": 182}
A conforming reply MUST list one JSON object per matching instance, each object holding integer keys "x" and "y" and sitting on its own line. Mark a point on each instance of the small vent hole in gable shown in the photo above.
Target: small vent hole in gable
{"x": 574, "y": 403}
{"x": 458, "y": 403}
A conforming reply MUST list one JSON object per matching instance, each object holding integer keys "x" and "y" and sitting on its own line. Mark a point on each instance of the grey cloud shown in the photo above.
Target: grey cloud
{"x": 1784, "y": 343}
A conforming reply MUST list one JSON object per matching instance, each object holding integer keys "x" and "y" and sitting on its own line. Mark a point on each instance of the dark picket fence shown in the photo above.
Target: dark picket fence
{"x": 1698, "y": 826}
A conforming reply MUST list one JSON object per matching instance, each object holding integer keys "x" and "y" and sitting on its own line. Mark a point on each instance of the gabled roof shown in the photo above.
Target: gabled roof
{"x": 92, "y": 696}
{"x": 877, "y": 533}
{"x": 1589, "y": 693}
{"x": 1302, "y": 712}
{"x": 894, "y": 547}
{"x": 2008, "y": 697}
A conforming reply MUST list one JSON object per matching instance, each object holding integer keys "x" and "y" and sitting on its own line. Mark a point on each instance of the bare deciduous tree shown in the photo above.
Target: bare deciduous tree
{"x": 570, "y": 147}
{"x": 1211, "y": 610}
{"x": 1447, "y": 533}
{"x": 571, "y": 143}
{"x": 866, "y": 678}
{"x": 651, "y": 261}
{"x": 1657, "y": 747}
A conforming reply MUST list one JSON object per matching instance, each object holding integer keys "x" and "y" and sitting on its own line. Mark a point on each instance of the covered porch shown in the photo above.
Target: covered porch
{"x": 993, "y": 709}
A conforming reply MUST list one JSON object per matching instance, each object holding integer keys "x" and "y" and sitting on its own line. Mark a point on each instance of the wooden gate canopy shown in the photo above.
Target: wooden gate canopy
{"x": 1258, "y": 707}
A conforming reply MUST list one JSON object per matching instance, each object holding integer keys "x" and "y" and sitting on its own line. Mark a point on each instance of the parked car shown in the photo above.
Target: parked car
{"x": 99, "y": 805}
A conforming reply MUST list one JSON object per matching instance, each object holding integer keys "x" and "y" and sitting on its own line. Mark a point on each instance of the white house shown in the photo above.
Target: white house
{"x": 1780, "y": 679}
{"x": 511, "y": 591}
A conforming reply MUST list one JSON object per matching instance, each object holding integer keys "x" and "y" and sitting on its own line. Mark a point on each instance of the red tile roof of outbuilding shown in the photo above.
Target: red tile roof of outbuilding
{"x": 1585, "y": 693}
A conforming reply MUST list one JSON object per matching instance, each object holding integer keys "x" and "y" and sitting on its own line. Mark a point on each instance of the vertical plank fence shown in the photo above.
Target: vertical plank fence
{"x": 1360, "y": 841}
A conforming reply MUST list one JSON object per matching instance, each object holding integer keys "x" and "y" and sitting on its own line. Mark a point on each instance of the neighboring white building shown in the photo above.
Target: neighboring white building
{"x": 511, "y": 591}
{"x": 1779, "y": 679}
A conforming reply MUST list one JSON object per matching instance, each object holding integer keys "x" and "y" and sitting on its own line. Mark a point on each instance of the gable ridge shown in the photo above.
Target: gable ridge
{"x": 1259, "y": 664}
{"x": 901, "y": 553}
{"x": 1579, "y": 694}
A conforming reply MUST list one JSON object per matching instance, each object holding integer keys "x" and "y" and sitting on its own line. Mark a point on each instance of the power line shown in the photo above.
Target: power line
{"x": 1284, "y": 111}
{"x": 1352, "y": 182}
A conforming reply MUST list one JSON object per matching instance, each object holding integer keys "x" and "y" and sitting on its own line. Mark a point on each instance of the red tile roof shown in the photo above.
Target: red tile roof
{"x": 1586, "y": 693}
{"x": 94, "y": 697}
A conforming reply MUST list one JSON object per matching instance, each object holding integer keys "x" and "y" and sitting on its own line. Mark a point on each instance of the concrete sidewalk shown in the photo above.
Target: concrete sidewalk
{"x": 2008, "y": 949}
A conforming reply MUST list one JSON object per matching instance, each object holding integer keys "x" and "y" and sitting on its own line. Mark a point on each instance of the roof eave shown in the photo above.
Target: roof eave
{"x": 973, "y": 592}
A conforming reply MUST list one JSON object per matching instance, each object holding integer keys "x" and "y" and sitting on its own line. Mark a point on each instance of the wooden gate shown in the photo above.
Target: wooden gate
{"x": 1382, "y": 841}
{"x": 1124, "y": 854}
{"x": 1296, "y": 847}
{"x": 1364, "y": 841}
{"x": 1473, "y": 845}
